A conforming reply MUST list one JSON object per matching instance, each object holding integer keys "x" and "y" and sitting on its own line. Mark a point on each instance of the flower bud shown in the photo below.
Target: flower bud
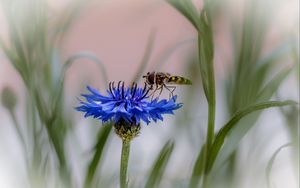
{"x": 8, "y": 98}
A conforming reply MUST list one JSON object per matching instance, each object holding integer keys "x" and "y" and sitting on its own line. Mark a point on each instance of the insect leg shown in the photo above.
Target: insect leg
{"x": 171, "y": 89}
{"x": 161, "y": 89}
{"x": 152, "y": 94}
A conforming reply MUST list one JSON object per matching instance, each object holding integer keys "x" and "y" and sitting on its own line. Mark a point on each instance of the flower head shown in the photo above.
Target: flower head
{"x": 130, "y": 105}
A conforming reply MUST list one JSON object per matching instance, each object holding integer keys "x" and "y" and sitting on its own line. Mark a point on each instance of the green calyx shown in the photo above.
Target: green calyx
{"x": 127, "y": 131}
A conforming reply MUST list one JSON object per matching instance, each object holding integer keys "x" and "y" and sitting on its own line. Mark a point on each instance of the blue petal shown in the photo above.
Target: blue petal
{"x": 125, "y": 106}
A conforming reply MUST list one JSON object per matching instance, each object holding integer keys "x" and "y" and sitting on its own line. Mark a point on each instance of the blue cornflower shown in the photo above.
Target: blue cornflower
{"x": 129, "y": 105}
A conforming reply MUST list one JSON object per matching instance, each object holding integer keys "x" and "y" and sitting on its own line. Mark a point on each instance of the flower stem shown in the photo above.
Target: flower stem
{"x": 211, "y": 117}
{"x": 206, "y": 49}
{"x": 124, "y": 163}
{"x": 210, "y": 124}
{"x": 18, "y": 130}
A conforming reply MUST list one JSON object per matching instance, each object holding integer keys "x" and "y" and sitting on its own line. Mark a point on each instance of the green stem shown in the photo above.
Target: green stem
{"x": 18, "y": 130}
{"x": 124, "y": 163}
{"x": 210, "y": 132}
{"x": 206, "y": 43}
{"x": 211, "y": 117}
{"x": 55, "y": 139}
{"x": 59, "y": 150}
{"x": 22, "y": 139}
{"x": 211, "y": 120}
{"x": 206, "y": 181}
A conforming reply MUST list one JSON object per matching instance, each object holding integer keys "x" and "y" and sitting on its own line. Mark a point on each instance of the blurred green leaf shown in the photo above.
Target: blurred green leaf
{"x": 99, "y": 148}
{"x": 249, "y": 38}
{"x": 186, "y": 8}
{"x": 271, "y": 87}
{"x": 282, "y": 50}
{"x": 198, "y": 168}
{"x": 291, "y": 116}
{"x": 159, "y": 165}
{"x": 205, "y": 41}
{"x": 32, "y": 43}
{"x": 73, "y": 59}
{"x": 264, "y": 94}
{"x": 248, "y": 83}
{"x": 206, "y": 62}
{"x": 10, "y": 55}
{"x": 86, "y": 55}
{"x": 203, "y": 24}
{"x": 220, "y": 137}
{"x": 14, "y": 58}
{"x": 271, "y": 161}
{"x": 205, "y": 45}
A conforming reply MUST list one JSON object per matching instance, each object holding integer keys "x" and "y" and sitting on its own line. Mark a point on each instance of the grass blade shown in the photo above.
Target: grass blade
{"x": 66, "y": 66}
{"x": 92, "y": 167}
{"x": 271, "y": 162}
{"x": 198, "y": 168}
{"x": 159, "y": 165}
{"x": 187, "y": 9}
{"x": 220, "y": 137}
{"x": 273, "y": 85}
{"x": 203, "y": 24}
{"x": 86, "y": 55}
{"x": 238, "y": 132}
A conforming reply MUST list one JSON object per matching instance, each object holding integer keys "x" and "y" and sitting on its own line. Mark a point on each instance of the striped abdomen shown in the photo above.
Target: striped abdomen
{"x": 179, "y": 80}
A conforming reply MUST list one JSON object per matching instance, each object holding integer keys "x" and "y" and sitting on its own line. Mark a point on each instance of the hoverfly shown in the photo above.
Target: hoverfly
{"x": 161, "y": 80}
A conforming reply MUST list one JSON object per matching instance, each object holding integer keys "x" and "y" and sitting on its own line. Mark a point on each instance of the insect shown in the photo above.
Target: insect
{"x": 161, "y": 80}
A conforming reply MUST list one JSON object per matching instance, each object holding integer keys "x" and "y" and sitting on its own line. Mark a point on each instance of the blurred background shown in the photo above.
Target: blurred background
{"x": 42, "y": 137}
